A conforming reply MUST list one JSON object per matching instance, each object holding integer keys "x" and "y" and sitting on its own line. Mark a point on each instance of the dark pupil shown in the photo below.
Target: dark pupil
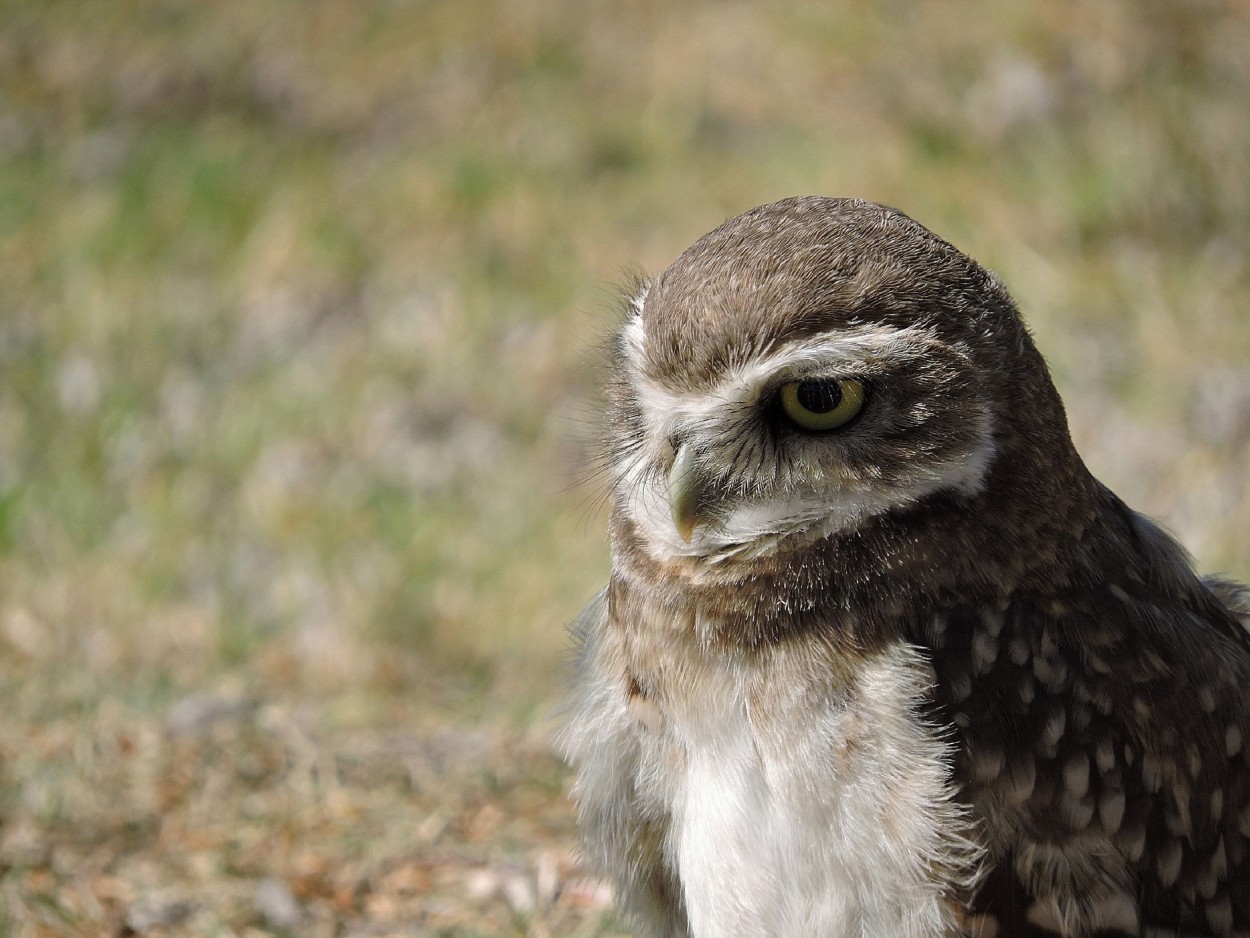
{"x": 819, "y": 397}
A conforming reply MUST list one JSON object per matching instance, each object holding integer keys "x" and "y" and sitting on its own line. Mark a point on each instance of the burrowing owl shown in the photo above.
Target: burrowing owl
{"x": 879, "y": 657}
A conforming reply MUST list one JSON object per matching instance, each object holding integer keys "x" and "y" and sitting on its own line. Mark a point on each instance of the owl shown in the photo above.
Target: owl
{"x": 879, "y": 657}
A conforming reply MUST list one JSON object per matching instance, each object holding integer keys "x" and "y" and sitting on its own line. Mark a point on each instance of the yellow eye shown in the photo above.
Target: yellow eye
{"x": 822, "y": 403}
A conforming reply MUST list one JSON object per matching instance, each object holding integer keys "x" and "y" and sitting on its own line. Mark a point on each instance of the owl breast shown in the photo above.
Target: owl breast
{"x": 796, "y": 804}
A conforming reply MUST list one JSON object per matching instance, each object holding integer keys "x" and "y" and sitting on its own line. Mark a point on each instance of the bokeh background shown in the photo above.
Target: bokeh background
{"x": 301, "y": 315}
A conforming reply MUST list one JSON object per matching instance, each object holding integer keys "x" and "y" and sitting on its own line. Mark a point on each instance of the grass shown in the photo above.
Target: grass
{"x": 299, "y": 314}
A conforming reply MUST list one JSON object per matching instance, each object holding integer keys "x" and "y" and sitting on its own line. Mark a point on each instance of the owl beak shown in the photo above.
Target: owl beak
{"x": 686, "y": 493}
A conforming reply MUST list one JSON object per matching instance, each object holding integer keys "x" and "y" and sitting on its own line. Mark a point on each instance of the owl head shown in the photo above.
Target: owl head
{"x": 818, "y": 369}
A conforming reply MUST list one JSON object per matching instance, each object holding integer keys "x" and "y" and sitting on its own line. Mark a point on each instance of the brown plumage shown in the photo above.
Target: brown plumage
{"x": 879, "y": 657}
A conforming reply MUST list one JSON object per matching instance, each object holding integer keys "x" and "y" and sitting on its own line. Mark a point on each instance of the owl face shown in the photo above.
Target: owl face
{"x": 774, "y": 389}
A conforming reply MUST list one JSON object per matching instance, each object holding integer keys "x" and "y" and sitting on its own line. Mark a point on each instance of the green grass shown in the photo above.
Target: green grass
{"x": 300, "y": 310}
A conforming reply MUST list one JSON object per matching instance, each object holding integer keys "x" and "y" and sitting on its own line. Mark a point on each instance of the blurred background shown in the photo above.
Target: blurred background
{"x": 301, "y": 316}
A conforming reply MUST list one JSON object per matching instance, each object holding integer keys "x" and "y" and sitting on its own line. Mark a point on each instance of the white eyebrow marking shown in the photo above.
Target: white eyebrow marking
{"x": 633, "y": 335}
{"x": 842, "y": 353}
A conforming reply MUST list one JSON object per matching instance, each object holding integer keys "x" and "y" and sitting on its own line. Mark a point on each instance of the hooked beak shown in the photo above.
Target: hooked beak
{"x": 687, "y": 495}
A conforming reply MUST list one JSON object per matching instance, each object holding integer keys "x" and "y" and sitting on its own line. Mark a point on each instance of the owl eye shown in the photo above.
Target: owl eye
{"x": 822, "y": 403}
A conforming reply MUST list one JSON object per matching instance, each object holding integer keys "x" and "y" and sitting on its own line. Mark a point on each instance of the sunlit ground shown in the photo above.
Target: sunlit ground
{"x": 300, "y": 315}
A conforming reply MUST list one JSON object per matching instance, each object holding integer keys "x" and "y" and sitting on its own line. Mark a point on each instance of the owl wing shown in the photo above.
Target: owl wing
{"x": 1102, "y": 736}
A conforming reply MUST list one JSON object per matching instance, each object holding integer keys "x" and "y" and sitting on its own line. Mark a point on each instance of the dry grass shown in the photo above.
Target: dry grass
{"x": 299, "y": 305}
